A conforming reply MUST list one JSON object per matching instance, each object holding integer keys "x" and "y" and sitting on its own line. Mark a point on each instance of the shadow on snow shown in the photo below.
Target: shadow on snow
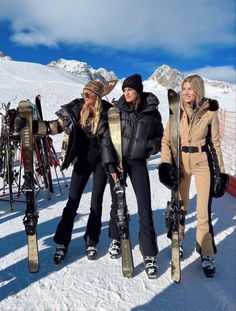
{"x": 16, "y": 277}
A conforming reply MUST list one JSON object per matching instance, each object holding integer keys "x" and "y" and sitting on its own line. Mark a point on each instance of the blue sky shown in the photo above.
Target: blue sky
{"x": 125, "y": 36}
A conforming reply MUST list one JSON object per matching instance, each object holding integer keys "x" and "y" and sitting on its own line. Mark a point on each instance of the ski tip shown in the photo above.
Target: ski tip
{"x": 128, "y": 275}
{"x": 33, "y": 267}
{"x": 38, "y": 98}
{"x": 176, "y": 278}
{"x": 113, "y": 114}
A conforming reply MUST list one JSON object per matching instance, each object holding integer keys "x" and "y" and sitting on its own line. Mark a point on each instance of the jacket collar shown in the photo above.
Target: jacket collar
{"x": 151, "y": 102}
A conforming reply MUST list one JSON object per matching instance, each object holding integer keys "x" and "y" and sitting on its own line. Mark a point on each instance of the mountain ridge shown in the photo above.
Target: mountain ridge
{"x": 164, "y": 75}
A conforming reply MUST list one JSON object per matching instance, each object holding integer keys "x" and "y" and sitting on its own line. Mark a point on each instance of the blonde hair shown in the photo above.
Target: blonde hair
{"x": 197, "y": 85}
{"x": 92, "y": 121}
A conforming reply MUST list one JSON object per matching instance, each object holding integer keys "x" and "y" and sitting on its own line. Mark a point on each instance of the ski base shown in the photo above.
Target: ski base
{"x": 122, "y": 212}
{"x": 33, "y": 258}
{"x": 175, "y": 204}
{"x": 175, "y": 258}
{"x": 127, "y": 258}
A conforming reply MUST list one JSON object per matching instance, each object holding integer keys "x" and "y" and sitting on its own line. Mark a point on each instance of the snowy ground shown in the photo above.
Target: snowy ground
{"x": 80, "y": 284}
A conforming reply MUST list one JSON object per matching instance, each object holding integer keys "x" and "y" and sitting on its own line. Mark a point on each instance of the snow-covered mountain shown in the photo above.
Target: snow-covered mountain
{"x": 172, "y": 78}
{"x": 167, "y": 77}
{"x": 218, "y": 84}
{"x": 83, "y": 70}
{"x": 4, "y": 57}
{"x": 80, "y": 284}
{"x": 163, "y": 76}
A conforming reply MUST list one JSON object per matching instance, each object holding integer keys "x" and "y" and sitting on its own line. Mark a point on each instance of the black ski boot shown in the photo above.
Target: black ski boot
{"x": 150, "y": 266}
{"x": 91, "y": 251}
{"x": 60, "y": 254}
{"x": 208, "y": 266}
{"x": 114, "y": 249}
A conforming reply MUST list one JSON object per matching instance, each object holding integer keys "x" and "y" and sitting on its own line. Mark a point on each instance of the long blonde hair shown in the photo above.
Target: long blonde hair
{"x": 90, "y": 117}
{"x": 197, "y": 84}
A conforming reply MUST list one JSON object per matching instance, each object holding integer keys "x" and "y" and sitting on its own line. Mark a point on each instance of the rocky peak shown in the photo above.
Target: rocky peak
{"x": 218, "y": 84}
{"x": 167, "y": 77}
{"x": 83, "y": 70}
{"x": 4, "y": 57}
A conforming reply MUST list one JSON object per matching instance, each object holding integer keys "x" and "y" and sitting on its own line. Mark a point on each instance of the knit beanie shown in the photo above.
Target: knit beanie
{"x": 134, "y": 82}
{"x": 95, "y": 86}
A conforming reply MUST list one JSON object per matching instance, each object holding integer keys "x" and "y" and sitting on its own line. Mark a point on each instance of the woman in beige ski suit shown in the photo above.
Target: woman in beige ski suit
{"x": 200, "y": 156}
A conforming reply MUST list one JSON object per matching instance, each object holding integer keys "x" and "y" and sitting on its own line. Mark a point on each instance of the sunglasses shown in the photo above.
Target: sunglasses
{"x": 87, "y": 95}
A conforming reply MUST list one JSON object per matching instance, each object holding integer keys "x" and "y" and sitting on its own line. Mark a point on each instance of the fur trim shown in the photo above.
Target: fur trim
{"x": 213, "y": 104}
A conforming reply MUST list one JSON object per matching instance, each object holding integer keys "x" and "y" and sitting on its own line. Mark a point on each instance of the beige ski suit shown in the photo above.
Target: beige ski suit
{"x": 200, "y": 152}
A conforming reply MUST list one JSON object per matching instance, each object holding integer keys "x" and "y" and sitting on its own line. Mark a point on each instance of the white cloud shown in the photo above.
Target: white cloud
{"x": 176, "y": 26}
{"x": 32, "y": 38}
{"x": 221, "y": 73}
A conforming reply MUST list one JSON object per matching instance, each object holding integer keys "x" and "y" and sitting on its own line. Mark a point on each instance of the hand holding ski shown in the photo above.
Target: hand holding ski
{"x": 170, "y": 176}
{"x": 122, "y": 213}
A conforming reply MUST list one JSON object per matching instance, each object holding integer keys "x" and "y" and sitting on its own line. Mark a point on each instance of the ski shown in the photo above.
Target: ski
{"x": 174, "y": 205}
{"x": 31, "y": 215}
{"x": 46, "y": 161}
{"x": 123, "y": 217}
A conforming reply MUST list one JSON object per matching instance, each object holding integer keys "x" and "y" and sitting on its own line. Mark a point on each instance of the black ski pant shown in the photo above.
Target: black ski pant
{"x": 78, "y": 182}
{"x": 138, "y": 173}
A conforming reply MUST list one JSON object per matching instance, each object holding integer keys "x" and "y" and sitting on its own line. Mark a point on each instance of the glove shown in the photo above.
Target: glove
{"x": 221, "y": 181}
{"x": 154, "y": 146}
{"x": 111, "y": 168}
{"x": 19, "y": 124}
{"x": 168, "y": 175}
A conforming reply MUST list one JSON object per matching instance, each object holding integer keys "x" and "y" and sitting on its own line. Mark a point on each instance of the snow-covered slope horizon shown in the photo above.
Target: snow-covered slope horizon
{"x": 164, "y": 75}
{"x": 21, "y": 80}
{"x": 85, "y": 285}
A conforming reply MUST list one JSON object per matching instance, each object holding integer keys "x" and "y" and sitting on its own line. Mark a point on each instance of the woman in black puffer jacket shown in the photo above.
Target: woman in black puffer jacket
{"x": 81, "y": 120}
{"x": 141, "y": 133}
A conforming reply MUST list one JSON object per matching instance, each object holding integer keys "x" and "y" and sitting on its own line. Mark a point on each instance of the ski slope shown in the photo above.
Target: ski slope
{"x": 79, "y": 284}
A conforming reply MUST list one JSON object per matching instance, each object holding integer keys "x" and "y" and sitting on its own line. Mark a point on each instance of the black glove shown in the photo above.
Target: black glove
{"x": 19, "y": 124}
{"x": 221, "y": 181}
{"x": 168, "y": 175}
{"x": 111, "y": 168}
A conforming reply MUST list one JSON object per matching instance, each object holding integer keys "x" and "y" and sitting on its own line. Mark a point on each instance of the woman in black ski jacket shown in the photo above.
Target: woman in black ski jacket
{"x": 141, "y": 133}
{"x": 80, "y": 119}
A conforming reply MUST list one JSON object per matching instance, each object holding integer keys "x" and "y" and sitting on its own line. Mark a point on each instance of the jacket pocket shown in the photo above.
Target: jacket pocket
{"x": 202, "y": 160}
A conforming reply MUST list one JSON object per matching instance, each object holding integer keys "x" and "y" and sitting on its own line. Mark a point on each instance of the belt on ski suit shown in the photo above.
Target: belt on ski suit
{"x": 192, "y": 149}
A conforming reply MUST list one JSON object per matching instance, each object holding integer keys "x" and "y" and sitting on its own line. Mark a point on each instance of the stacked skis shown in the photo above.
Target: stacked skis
{"x": 122, "y": 214}
{"x": 31, "y": 215}
{"x": 38, "y": 156}
{"x": 175, "y": 213}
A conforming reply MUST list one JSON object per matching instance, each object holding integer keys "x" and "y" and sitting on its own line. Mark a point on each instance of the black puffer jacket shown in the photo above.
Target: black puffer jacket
{"x": 83, "y": 148}
{"x": 141, "y": 132}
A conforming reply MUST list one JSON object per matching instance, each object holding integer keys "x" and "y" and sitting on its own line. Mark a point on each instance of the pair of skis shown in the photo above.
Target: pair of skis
{"x": 123, "y": 216}
{"x": 174, "y": 215}
{"x": 30, "y": 220}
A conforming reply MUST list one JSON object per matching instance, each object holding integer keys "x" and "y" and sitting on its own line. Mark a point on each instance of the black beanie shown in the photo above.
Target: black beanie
{"x": 134, "y": 82}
